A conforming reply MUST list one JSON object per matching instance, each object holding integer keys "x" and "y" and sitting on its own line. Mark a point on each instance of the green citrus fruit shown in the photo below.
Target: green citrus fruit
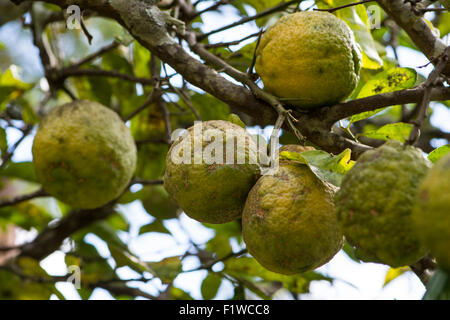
{"x": 431, "y": 212}
{"x": 309, "y": 59}
{"x": 289, "y": 224}
{"x": 84, "y": 155}
{"x": 158, "y": 203}
{"x": 375, "y": 201}
{"x": 207, "y": 181}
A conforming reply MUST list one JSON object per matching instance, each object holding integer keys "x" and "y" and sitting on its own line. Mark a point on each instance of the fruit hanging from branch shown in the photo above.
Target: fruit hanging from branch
{"x": 431, "y": 214}
{"x": 210, "y": 169}
{"x": 289, "y": 224}
{"x": 84, "y": 155}
{"x": 375, "y": 201}
{"x": 309, "y": 59}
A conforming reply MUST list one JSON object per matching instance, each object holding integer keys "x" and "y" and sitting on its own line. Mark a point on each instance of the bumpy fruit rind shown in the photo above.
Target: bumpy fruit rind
{"x": 289, "y": 224}
{"x": 212, "y": 191}
{"x": 375, "y": 201}
{"x": 309, "y": 59}
{"x": 84, "y": 155}
{"x": 431, "y": 214}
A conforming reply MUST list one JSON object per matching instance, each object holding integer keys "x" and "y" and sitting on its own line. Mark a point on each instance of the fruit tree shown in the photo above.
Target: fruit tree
{"x": 179, "y": 149}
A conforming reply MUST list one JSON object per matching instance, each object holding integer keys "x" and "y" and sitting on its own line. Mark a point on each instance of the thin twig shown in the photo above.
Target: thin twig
{"x": 230, "y": 43}
{"x": 8, "y": 155}
{"x": 264, "y": 13}
{"x": 213, "y": 7}
{"x": 146, "y": 182}
{"x": 199, "y": 49}
{"x": 252, "y": 65}
{"x": 422, "y": 107}
{"x": 73, "y": 72}
{"x": 151, "y": 99}
{"x": 166, "y": 115}
{"x": 96, "y": 55}
{"x": 209, "y": 265}
{"x": 10, "y": 202}
{"x": 86, "y": 31}
{"x": 344, "y": 6}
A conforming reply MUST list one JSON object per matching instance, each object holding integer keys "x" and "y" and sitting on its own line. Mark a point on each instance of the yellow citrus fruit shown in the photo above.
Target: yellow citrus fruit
{"x": 375, "y": 202}
{"x": 309, "y": 59}
{"x": 289, "y": 225}
{"x": 84, "y": 155}
{"x": 431, "y": 213}
{"x": 209, "y": 186}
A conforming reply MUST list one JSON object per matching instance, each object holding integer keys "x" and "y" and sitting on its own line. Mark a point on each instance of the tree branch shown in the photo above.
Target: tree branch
{"x": 75, "y": 72}
{"x": 424, "y": 103}
{"x": 280, "y": 7}
{"x": 10, "y": 202}
{"x": 331, "y": 10}
{"x": 50, "y": 239}
{"x": 346, "y": 109}
{"x": 417, "y": 28}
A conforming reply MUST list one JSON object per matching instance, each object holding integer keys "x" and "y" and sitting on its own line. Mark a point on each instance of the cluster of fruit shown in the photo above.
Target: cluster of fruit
{"x": 390, "y": 206}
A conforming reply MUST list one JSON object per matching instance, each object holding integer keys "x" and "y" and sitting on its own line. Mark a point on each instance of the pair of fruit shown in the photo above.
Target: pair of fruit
{"x": 288, "y": 218}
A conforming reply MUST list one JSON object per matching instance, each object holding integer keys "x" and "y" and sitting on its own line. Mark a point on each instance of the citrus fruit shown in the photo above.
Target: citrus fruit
{"x": 210, "y": 169}
{"x": 289, "y": 225}
{"x": 158, "y": 203}
{"x": 431, "y": 212}
{"x": 375, "y": 201}
{"x": 84, "y": 155}
{"x": 309, "y": 59}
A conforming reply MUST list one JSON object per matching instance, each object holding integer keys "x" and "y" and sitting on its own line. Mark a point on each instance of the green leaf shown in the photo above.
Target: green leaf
{"x": 107, "y": 233}
{"x": 350, "y": 252}
{"x": 438, "y": 287}
{"x": 141, "y": 60}
{"x": 11, "y": 87}
{"x": 438, "y": 153}
{"x": 155, "y": 226}
{"x": 210, "y": 286}
{"x": 394, "y": 273}
{"x": 118, "y": 222}
{"x": 220, "y": 245}
{"x": 395, "y": 131}
{"x": 119, "y": 250}
{"x": 250, "y": 270}
{"x": 167, "y": 269}
{"x": 446, "y": 4}
{"x": 358, "y": 20}
{"x": 234, "y": 118}
{"x": 20, "y": 170}
{"x": 209, "y": 107}
{"x": 444, "y": 24}
{"x": 124, "y": 258}
{"x": 3, "y": 141}
{"x": 325, "y": 166}
{"x": 387, "y": 81}
{"x": 178, "y": 294}
{"x": 129, "y": 197}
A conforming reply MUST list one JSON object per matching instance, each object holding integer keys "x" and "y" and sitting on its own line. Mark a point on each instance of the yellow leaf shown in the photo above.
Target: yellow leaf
{"x": 393, "y": 273}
